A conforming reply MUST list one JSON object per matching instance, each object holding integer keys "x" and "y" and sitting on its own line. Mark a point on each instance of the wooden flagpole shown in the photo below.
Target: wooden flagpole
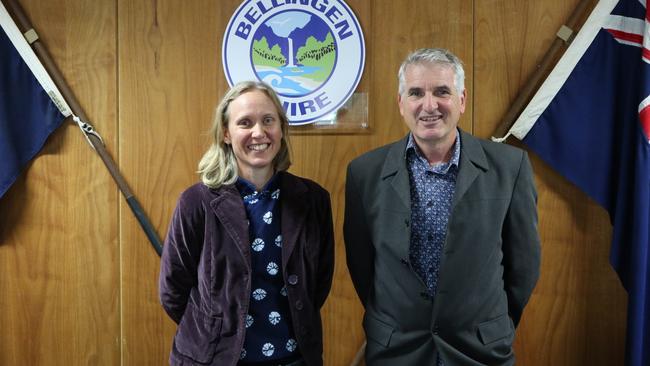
{"x": 93, "y": 138}
{"x": 564, "y": 37}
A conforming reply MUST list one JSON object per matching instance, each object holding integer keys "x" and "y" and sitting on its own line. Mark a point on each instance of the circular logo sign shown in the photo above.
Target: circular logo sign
{"x": 310, "y": 51}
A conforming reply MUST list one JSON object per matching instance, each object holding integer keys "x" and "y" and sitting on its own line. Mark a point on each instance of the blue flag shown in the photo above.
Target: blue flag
{"x": 28, "y": 114}
{"x": 590, "y": 121}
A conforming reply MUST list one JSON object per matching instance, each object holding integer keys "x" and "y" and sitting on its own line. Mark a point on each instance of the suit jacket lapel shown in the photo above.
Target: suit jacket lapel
{"x": 394, "y": 171}
{"x": 230, "y": 211}
{"x": 294, "y": 213}
{"x": 397, "y": 196}
{"x": 472, "y": 162}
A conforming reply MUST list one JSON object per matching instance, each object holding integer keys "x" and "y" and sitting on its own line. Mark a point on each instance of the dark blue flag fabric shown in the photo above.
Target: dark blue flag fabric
{"x": 27, "y": 113}
{"x": 590, "y": 121}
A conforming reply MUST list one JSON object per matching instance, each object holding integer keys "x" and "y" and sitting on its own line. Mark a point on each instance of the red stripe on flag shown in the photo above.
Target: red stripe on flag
{"x": 625, "y": 36}
{"x": 644, "y": 117}
{"x": 645, "y": 53}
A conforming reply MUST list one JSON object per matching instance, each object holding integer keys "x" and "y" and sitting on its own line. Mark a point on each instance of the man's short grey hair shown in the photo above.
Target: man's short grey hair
{"x": 434, "y": 56}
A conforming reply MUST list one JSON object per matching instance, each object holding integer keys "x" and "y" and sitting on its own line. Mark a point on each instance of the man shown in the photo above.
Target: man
{"x": 440, "y": 231}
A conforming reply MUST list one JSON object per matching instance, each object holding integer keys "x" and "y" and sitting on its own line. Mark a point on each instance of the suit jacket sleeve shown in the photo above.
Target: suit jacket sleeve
{"x": 521, "y": 244}
{"x": 180, "y": 257}
{"x": 360, "y": 252}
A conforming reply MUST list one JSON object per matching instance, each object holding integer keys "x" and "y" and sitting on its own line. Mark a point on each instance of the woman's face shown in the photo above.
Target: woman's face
{"x": 255, "y": 133}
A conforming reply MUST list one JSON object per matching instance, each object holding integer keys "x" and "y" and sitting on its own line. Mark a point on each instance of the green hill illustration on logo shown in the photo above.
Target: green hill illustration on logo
{"x": 297, "y": 63}
{"x": 298, "y": 48}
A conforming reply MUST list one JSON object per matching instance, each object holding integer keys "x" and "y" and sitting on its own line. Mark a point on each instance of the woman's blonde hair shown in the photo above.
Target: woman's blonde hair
{"x": 218, "y": 166}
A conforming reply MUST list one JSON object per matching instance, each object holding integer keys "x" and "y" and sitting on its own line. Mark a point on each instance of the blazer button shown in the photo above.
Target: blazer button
{"x": 404, "y": 261}
{"x": 293, "y": 279}
{"x": 299, "y": 305}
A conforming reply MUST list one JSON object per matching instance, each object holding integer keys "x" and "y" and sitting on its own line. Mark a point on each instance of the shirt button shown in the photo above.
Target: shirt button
{"x": 293, "y": 279}
{"x": 430, "y": 203}
{"x": 299, "y": 305}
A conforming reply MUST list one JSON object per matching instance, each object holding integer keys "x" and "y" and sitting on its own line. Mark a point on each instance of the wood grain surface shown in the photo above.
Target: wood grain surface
{"x": 78, "y": 282}
{"x": 59, "y": 240}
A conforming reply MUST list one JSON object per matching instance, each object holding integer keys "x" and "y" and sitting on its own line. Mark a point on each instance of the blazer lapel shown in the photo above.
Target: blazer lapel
{"x": 395, "y": 172}
{"x": 472, "y": 162}
{"x": 230, "y": 211}
{"x": 294, "y": 213}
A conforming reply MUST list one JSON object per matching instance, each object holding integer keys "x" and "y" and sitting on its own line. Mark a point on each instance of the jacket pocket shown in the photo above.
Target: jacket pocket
{"x": 198, "y": 334}
{"x": 377, "y": 330}
{"x": 495, "y": 329}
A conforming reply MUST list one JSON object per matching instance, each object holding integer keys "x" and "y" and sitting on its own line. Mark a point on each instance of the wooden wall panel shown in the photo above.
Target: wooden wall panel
{"x": 79, "y": 282}
{"x": 59, "y": 292}
{"x": 577, "y": 313}
{"x": 169, "y": 52}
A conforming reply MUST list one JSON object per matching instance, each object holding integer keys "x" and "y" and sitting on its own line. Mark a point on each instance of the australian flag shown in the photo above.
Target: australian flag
{"x": 28, "y": 113}
{"x": 590, "y": 121}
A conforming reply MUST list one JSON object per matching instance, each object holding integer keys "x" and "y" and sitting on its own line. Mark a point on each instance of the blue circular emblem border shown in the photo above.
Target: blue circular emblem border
{"x": 325, "y": 111}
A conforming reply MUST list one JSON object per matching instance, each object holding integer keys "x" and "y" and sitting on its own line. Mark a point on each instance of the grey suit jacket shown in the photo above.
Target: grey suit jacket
{"x": 489, "y": 266}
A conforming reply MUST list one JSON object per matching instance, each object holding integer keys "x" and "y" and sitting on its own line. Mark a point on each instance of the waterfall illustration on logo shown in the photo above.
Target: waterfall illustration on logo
{"x": 311, "y": 52}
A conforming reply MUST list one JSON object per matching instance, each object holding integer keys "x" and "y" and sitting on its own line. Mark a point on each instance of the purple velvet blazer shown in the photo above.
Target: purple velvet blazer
{"x": 205, "y": 274}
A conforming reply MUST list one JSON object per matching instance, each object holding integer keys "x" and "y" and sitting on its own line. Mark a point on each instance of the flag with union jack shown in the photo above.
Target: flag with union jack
{"x": 590, "y": 120}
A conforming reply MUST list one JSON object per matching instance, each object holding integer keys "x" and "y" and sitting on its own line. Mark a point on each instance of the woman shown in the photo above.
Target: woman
{"x": 248, "y": 259}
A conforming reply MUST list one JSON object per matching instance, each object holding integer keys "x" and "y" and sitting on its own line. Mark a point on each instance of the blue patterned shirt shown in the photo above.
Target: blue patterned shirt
{"x": 432, "y": 192}
{"x": 269, "y": 332}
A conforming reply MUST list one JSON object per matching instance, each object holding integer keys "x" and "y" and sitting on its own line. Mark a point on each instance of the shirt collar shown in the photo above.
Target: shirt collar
{"x": 246, "y": 188}
{"x": 455, "y": 155}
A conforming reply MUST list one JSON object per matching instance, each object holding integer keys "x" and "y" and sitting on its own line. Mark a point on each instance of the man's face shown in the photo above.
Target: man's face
{"x": 430, "y": 105}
